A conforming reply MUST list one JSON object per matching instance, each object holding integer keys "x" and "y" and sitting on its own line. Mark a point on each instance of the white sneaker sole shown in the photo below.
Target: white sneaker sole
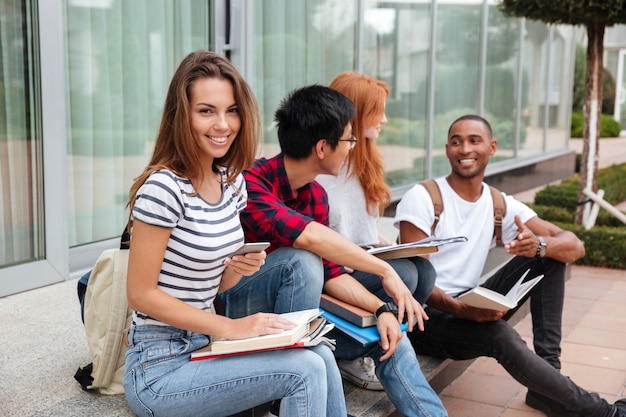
{"x": 372, "y": 386}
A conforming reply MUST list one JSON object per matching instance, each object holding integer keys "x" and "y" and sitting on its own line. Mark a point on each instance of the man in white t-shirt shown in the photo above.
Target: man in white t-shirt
{"x": 458, "y": 331}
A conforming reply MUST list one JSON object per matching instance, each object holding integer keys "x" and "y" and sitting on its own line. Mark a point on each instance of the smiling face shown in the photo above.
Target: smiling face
{"x": 469, "y": 148}
{"x": 215, "y": 119}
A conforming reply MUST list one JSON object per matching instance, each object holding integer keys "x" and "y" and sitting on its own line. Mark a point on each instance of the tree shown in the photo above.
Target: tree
{"x": 595, "y": 16}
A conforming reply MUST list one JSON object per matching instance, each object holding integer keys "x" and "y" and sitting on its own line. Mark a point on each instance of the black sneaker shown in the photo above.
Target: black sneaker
{"x": 550, "y": 407}
{"x": 273, "y": 411}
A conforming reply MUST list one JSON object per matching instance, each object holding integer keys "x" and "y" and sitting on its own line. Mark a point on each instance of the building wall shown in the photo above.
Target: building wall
{"x": 83, "y": 83}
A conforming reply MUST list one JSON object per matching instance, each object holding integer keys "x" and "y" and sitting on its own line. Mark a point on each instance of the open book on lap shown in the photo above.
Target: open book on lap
{"x": 407, "y": 250}
{"x": 482, "y": 297}
{"x": 310, "y": 331}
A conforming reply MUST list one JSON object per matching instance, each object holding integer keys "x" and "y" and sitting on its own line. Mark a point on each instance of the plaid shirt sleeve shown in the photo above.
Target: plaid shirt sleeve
{"x": 274, "y": 214}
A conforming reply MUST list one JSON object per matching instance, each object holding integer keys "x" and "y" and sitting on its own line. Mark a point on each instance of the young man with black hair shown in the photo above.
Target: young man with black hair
{"x": 290, "y": 210}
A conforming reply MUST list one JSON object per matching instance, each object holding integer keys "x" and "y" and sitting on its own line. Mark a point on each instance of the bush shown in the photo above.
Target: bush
{"x": 554, "y": 214}
{"x": 609, "y": 127}
{"x": 565, "y": 194}
{"x": 605, "y": 243}
{"x": 604, "y": 246}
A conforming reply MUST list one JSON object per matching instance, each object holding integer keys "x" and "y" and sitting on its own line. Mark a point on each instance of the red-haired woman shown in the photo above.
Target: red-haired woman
{"x": 359, "y": 194}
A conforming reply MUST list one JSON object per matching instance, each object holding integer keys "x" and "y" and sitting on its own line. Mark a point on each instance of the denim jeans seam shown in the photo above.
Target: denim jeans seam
{"x": 134, "y": 393}
{"x": 407, "y": 387}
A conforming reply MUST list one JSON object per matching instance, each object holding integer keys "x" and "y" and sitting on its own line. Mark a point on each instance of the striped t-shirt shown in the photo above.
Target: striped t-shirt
{"x": 203, "y": 234}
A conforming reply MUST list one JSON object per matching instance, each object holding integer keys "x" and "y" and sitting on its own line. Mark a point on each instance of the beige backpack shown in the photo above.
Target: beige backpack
{"x": 106, "y": 316}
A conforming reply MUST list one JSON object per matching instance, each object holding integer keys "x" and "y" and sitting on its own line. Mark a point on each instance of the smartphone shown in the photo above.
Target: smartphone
{"x": 251, "y": 248}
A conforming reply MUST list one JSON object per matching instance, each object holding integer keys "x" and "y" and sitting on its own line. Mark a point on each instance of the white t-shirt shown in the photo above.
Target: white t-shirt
{"x": 202, "y": 235}
{"x": 459, "y": 265}
{"x": 348, "y": 213}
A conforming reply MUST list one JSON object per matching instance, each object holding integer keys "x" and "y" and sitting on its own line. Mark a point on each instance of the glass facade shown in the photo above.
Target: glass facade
{"x": 440, "y": 58}
{"x": 120, "y": 56}
{"x": 21, "y": 214}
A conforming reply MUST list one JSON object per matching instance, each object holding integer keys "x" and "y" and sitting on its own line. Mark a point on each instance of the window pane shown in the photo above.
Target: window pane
{"x": 457, "y": 66}
{"x": 121, "y": 55}
{"x": 298, "y": 43}
{"x": 501, "y": 82}
{"x": 21, "y": 218}
{"x": 397, "y": 51}
{"x": 559, "y": 87}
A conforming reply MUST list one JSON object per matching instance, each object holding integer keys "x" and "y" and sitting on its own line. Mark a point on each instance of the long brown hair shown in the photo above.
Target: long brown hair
{"x": 365, "y": 161}
{"x": 175, "y": 147}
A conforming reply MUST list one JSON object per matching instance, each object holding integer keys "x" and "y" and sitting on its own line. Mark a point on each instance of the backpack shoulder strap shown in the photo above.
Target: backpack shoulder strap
{"x": 435, "y": 195}
{"x": 499, "y": 211}
{"x": 499, "y": 207}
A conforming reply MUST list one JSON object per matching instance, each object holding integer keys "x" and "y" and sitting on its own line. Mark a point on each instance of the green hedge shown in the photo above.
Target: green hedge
{"x": 558, "y": 202}
{"x": 605, "y": 243}
{"x": 604, "y": 246}
{"x": 609, "y": 127}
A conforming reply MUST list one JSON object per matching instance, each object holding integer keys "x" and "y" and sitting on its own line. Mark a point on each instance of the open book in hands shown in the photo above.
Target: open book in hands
{"x": 310, "y": 331}
{"x": 421, "y": 247}
{"x": 482, "y": 297}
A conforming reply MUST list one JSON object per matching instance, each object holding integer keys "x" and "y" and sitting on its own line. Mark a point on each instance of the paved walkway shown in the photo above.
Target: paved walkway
{"x": 594, "y": 351}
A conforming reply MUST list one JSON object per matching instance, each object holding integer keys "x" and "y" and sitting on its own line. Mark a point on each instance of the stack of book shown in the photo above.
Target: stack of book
{"x": 355, "y": 322}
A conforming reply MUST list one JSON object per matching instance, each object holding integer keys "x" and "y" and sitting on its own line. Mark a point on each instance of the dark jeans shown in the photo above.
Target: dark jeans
{"x": 417, "y": 273}
{"x": 450, "y": 337}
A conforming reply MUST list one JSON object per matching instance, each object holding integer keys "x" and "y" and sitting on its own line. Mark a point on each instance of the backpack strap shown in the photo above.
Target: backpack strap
{"x": 499, "y": 207}
{"x": 499, "y": 211}
{"x": 435, "y": 195}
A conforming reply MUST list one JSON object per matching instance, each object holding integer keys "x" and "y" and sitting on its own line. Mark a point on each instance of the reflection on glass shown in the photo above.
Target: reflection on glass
{"x": 298, "y": 43}
{"x": 457, "y": 71}
{"x": 548, "y": 87}
{"x": 120, "y": 57}
{"x": 397, "y": 50}
{"x": 21, "y": 216}
{"x": 501, "y": 78}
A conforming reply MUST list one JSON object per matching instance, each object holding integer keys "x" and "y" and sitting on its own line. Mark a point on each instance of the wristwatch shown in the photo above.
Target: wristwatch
{"x": 542, "y": 248}
{"x": 387, "y": 307}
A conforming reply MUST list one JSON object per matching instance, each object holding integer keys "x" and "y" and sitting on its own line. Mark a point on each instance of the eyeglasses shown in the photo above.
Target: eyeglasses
{"x": 352, "y": 141}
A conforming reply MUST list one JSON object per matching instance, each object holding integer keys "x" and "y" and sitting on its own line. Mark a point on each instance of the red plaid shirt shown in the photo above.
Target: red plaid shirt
{"x": 275, "y": 214}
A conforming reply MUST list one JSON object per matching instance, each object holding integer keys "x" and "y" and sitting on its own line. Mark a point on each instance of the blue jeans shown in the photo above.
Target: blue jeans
{"x": 294, "y": 278}
{"x": 161, "y": 380}
{"x": 447, "y": 336}
{"x": 290, "y": 280}
{"x": 417, "y": 273}
{"x": 400, "y": 375}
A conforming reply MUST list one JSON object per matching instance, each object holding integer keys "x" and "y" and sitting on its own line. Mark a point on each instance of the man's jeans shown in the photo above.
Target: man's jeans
{"x": 417, "y": 273}
{"x": 450, "y": 337}
{"x": 546, "y": 301}
{"x": 400, "y": 375}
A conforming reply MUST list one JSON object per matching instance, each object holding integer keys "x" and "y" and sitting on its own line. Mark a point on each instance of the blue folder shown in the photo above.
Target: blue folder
{"x": 363, "y": 335}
